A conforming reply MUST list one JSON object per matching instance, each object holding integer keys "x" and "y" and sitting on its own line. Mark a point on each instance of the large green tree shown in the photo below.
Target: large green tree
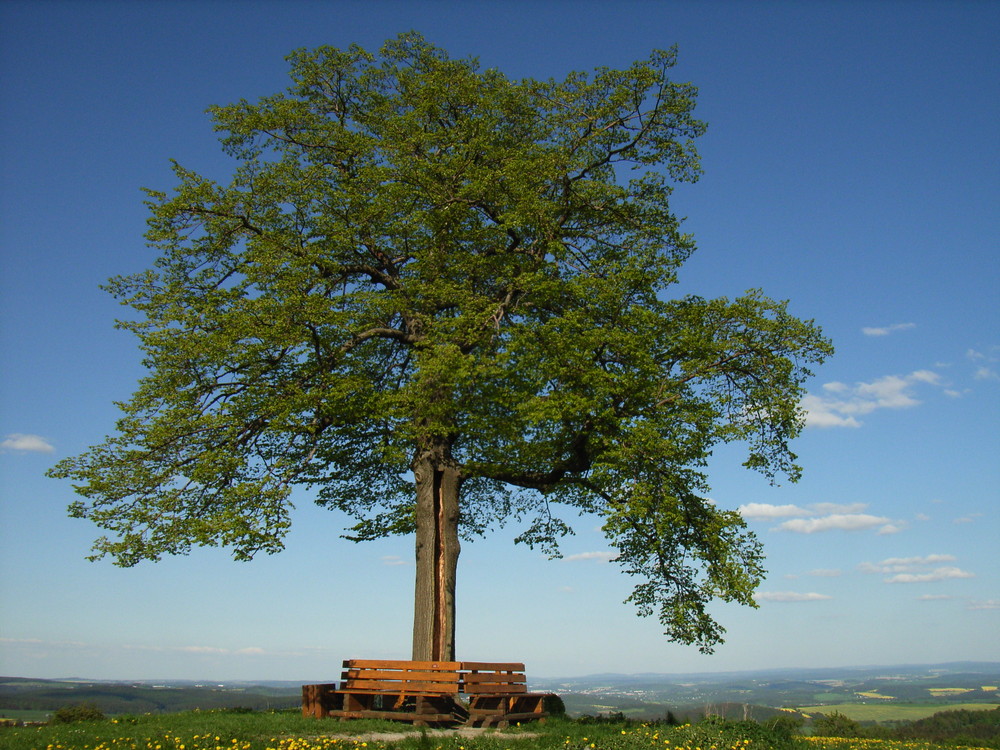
{"x": 437, "y": 296}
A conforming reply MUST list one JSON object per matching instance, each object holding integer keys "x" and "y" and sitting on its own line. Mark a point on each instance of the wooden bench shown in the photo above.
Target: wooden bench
{"x": 498, "y": 694}
{"x": 427, "y": 693}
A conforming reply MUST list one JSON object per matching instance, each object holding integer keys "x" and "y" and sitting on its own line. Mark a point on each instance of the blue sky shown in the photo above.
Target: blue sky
{"x": 851, "y": 166}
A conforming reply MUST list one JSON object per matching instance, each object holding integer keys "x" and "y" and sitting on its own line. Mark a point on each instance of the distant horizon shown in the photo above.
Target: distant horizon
{"x": 927, "y": 666}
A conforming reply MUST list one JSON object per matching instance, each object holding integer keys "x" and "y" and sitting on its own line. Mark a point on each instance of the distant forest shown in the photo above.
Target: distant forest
{"x": 36, "y": 695}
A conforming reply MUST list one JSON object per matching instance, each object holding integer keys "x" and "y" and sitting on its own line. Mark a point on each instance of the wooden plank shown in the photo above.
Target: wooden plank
{"x": 482, "y": 677}
{"x": 381, "y": 674}
{"x": 488, "y": 666}
{"x": 395, "y": 686}
{"x": 491, "y": 689}
{"x": 404, "y": 665}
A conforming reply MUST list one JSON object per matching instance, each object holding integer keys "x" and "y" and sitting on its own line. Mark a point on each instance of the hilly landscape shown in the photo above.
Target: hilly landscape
{"x": 879, "y": 694}
{"x": 884, "y": 694}
{"x": 903, "y": 691}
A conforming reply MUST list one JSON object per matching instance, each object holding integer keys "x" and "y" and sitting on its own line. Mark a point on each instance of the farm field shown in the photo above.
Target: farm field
{"x": 892, "y": 711}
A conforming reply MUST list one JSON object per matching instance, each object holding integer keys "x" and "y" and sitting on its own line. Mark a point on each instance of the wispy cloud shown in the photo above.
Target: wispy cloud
{"x": 841, "y": 405}
{"x": 764, "y": 511}
{"x": 825, "y": 573}
{"x": 917, "y": 569}
{"x": 819, "y": 517}
{"x": 22, "y": 443}
{"x": 892, "y": 528}
{"x": 605, "y": 556}
{"x": 904, "y": 564}
{"x": 938, "y": 574}
{"x": 987, "y": 604}
{"x": 790, "y": 596}
{"x": 886, "y": 330}
{"x": 984, "y": 362}
{"x": 837, "y": 521}
{"x": 394, "y": 560}
{"x": 193, "y": 649}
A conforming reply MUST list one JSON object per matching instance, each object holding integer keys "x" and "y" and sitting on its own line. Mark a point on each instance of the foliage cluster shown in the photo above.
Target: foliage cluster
{"x": 76, "y": 713}
{"x": 946, "y": 728}
{"x": 972, "y": 727}
{"x": 138, "y": 699}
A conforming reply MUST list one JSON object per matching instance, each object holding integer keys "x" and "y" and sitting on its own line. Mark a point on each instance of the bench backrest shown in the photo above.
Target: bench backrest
{"x": 478, "y": 678}
{"x": 401, "y": 676}
{"x": 485, "y": 678}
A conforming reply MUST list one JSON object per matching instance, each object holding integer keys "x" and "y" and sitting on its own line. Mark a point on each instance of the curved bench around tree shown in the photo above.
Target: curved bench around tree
{"x": 426, "y": 693}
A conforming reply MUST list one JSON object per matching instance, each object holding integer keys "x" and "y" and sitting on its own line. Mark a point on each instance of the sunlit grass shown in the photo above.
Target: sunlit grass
{"x": 857, "y": 743}
{"x": 287, "y": 731}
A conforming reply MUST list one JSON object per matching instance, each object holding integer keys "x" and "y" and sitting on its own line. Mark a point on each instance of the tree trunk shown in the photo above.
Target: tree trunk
{"x": 438, "y": 481}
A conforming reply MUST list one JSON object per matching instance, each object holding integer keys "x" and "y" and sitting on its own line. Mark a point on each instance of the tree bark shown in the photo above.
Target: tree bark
{"x": 438, "y": 482}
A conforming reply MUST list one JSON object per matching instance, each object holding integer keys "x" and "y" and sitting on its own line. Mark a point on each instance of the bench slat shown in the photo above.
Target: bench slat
{"x": 489, "y": 666}
{"x": 485, "y": 677}
{"x": 419, "y": 666}
{"x": 379, "y": 674}
{"x": 378, "y": 686}
{"x": 492, "y": 689}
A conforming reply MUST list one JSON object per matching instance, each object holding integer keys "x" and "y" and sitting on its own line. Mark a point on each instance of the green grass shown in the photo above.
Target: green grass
{"x": 221, "y": 730}
{"x": 286, "y": 731}
{"x": 893, "y": 711}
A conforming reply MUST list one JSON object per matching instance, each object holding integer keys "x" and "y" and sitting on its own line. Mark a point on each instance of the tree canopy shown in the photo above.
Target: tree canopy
{"x": 439, "y": 298}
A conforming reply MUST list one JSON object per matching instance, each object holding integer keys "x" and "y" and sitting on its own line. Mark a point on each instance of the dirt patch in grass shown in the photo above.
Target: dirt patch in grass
{"x": 467, "y": 732}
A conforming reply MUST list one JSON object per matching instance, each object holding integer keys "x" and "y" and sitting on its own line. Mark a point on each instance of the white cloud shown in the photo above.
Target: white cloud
{"x": 790, "y": 596}
{"x": 828, "y": 508}
{"x": 938, "y": 574}
{"x": 599, "y": 556}
{"x": 917, "y": 569}
{"x": 987, "y": 604}
{"x": 985, "y": 373}
{"x": 394, "y": 560}
{"x": 934, "y": 597}
{"x": 822, "y": 413}
{"x": 26, "y": 443}
{"x": 842, "y": 521}
{"x": 820, "y": 517}
{"x": 886, "y": 330}
{"x": 905, "y": 564}
{"x": 843, "y": 404}
{"x": 823, "y": 573}
{"x": 762, "y": 511}
{"x": 910, "y": 561}
{"x": 892, "y": 528}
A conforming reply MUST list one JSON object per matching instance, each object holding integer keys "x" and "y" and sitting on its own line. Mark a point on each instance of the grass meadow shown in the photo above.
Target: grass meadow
{"x": 222, "y": 730}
